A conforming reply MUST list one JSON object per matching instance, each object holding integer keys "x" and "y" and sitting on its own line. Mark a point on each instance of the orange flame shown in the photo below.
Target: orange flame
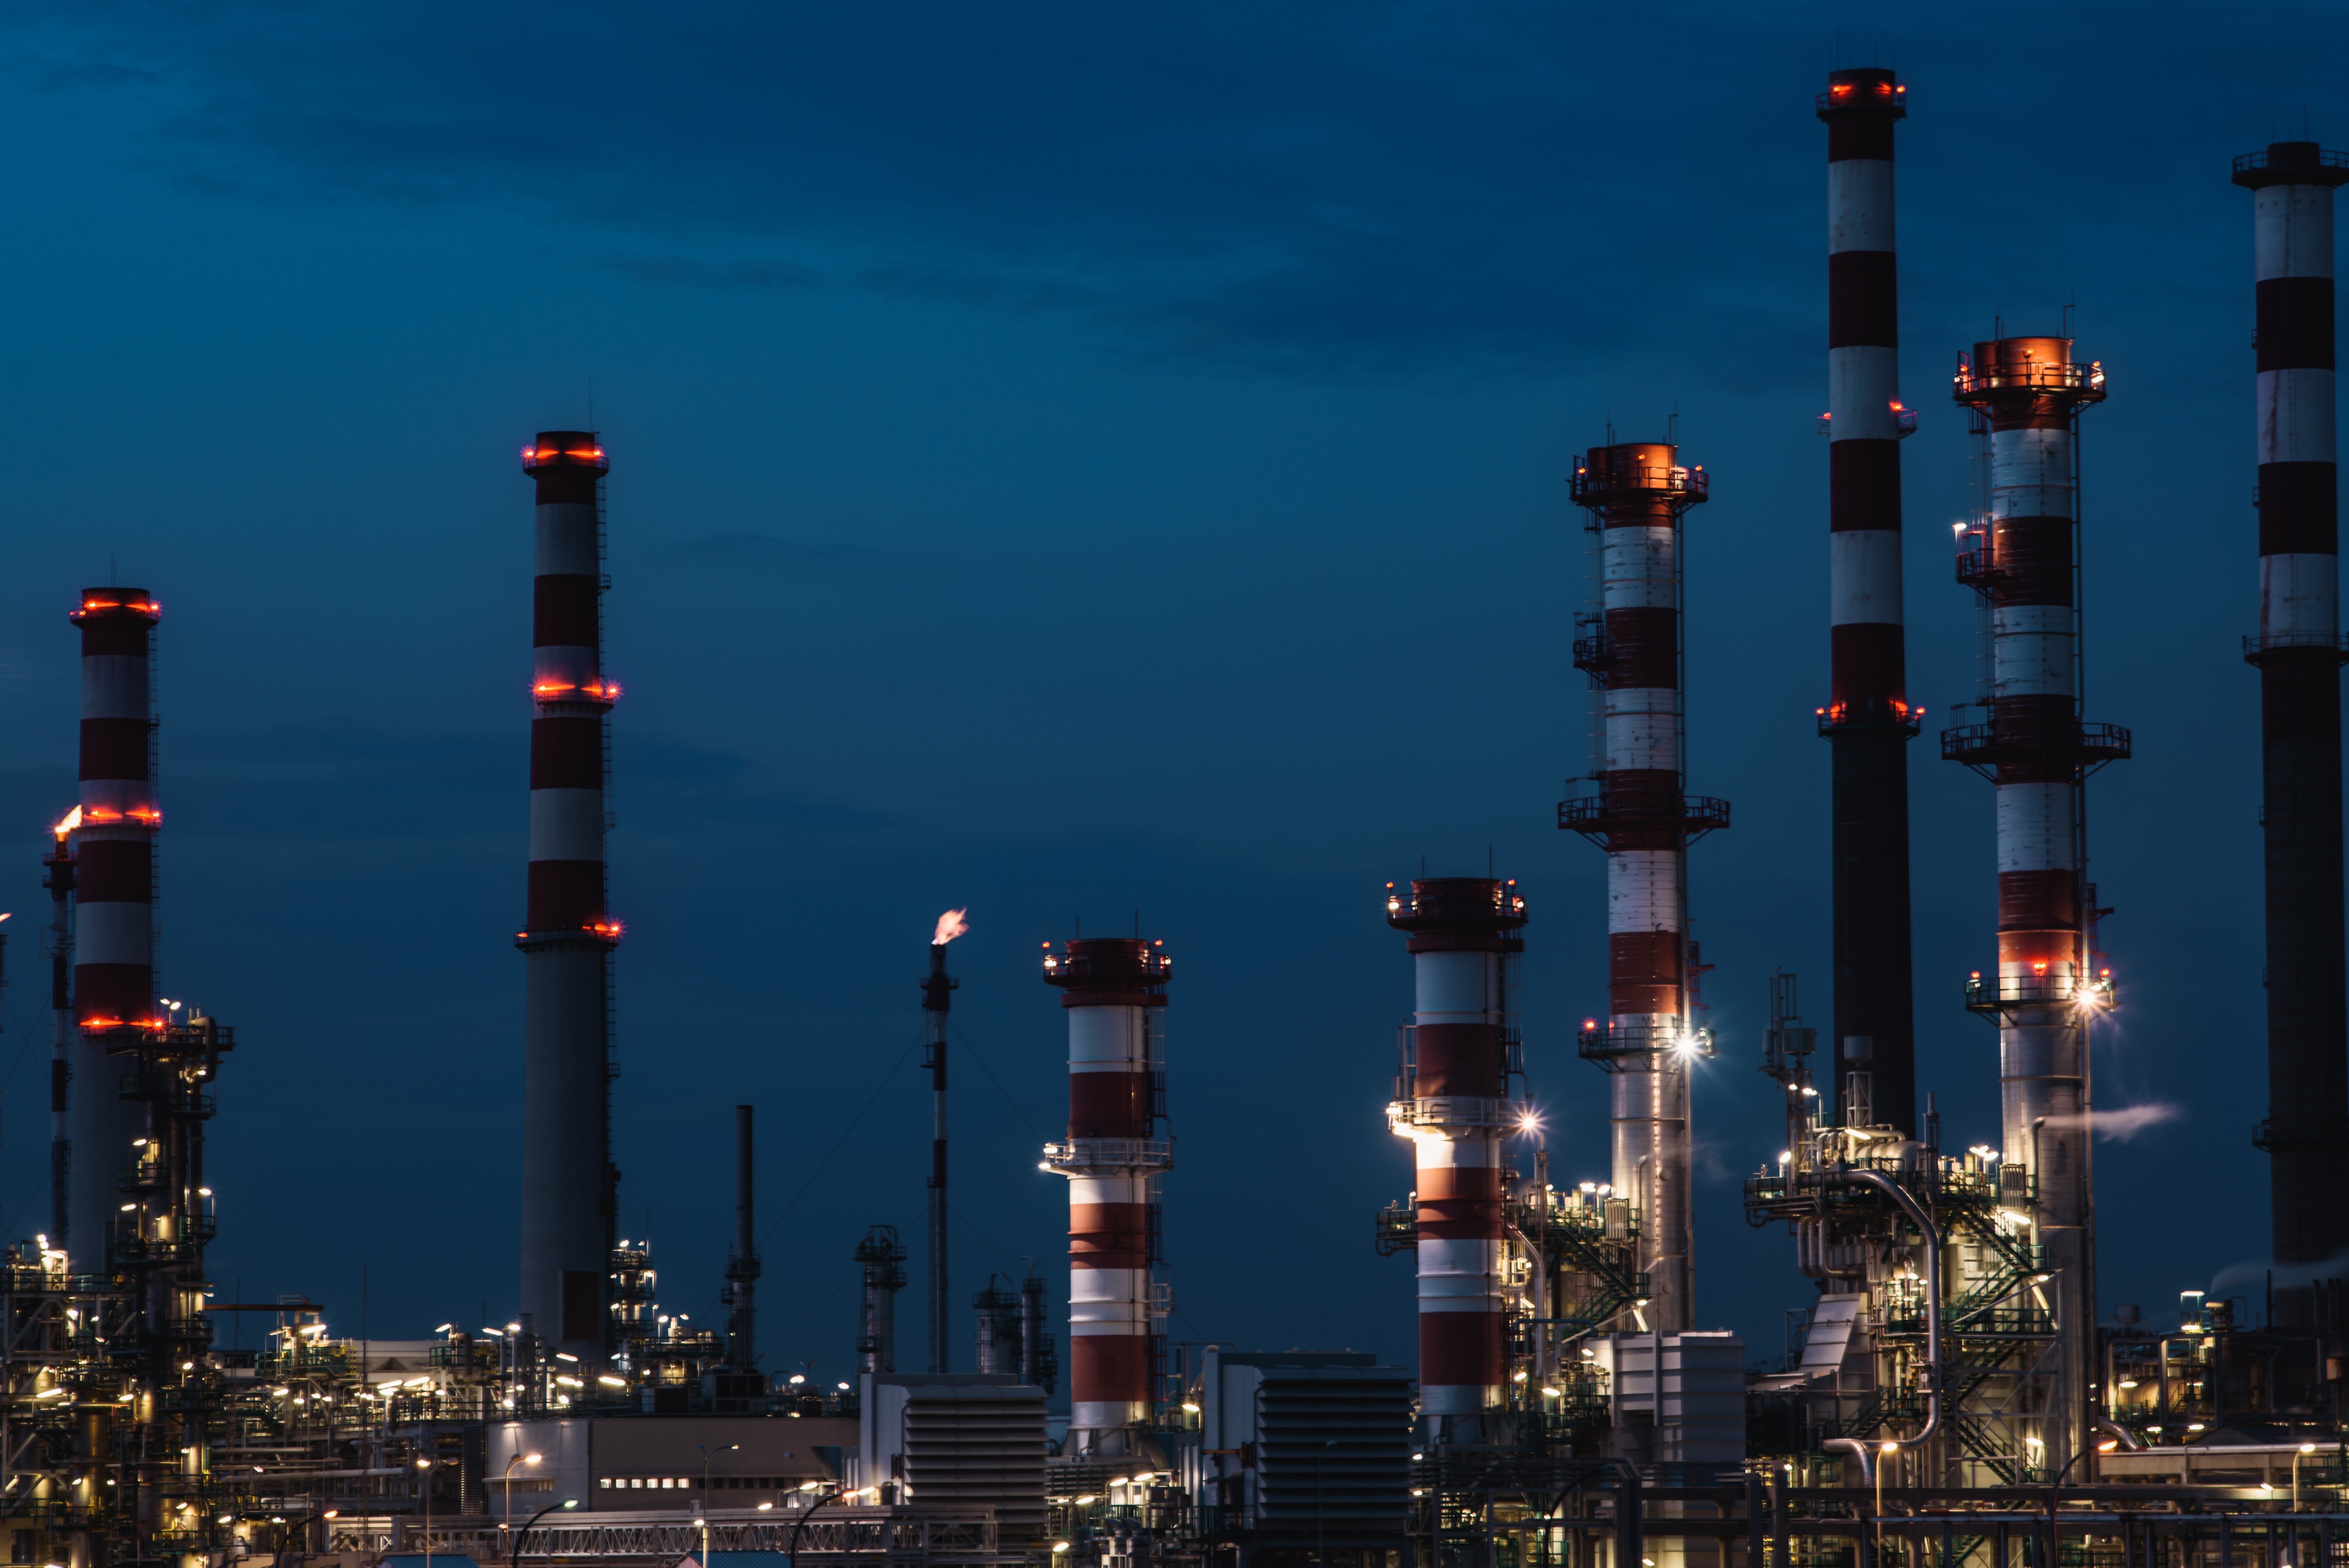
{"x": 68, "y": 823}
{"x": 951, "y": 924}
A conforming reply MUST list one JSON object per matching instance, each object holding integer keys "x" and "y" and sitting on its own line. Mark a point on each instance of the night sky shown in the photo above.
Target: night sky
{"x": 1085, "y": 464}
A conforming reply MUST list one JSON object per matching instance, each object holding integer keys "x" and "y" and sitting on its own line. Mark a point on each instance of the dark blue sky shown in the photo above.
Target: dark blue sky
{"x": 1070, "y": 461}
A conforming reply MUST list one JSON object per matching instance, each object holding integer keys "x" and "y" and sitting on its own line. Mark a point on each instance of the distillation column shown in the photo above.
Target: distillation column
{"x": 114, "y": 904}
{"x": 1114, "y": 1156}
{"x": 2027, "y": 394}
{"x": 1637, "y": 494}
{"x": 2298, "y": 653}
{"x": 1456, "y": 1109}
{"x": 1868, "y": 723}
{"x": 570, "y": 1188}
{"x": 881, "y": 1256}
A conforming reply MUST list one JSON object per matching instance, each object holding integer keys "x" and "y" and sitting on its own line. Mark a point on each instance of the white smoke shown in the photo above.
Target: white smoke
{"x": 2124, "y": 1123}
{"x": 2247, "y": 1271}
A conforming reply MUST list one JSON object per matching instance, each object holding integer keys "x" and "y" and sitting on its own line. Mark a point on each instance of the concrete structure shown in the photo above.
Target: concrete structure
{"x": 1637, "y": 494}
{"x": 2027, "y": 394}
{"x": 1115, "y": 1155}
{"x": 1453, "y": 1102}
{"x": 1867, "y": 721}
{"x": 113, "y": 847}
{"x": 570, "y": 1186}
{"x": 2298, "y": 653}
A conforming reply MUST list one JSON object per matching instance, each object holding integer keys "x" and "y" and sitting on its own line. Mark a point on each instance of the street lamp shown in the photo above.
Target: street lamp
{"x": 702, "y": 1502}
{"x": 2305, "y": 1450}
{"x": 792, "y": 1547}
{"x": 520, "y": 1540}
{"x": 506, "y": 1523}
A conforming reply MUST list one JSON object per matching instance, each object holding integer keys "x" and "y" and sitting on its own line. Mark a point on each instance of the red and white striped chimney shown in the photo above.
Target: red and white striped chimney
{"x": 570, "y": 1187}
{"x": 1867, "y": 721}
{"x": 2299, "y": 652}
{"x": 1637, "y": 493}
{"x": 2028, "y": 393}
{"x": 114, "y": 939}
{"x": 1114, "y": 1156}
{"x": 1456, "y": 1108}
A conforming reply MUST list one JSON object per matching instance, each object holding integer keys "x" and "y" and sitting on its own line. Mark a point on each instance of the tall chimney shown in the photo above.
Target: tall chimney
{"x": 1867, "y": 722}
{"x": 1115, "y": 1154}
{"x": 1455, "y": 1107}
{"x": 938, "y": 1000}
{"x": 742, "y": 1263}
{"x": 2298, "y": 652}
{"x": 570, "y": 1188}
{"x": 1637, "y": 494}
{"x": 114, "y": 856}
{"x": 59, "y": 881}
{"x": 2023, "y": 561}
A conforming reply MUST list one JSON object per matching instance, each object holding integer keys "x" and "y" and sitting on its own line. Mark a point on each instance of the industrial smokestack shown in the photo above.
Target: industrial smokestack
{"x": 2023, "y": 561}
{"x": 2298, "y": 653}
{"x": 114, "y": 855}
{"x": 742, "y": 1263}
{"x": 881, "y": 1253}
{"x": 937, "y": 1001}
{"x": 1867, "y": 722}
{"x": 570, "y": 1188}
{"x": 1455, "y": 1107}
{"x": 59, "y": 881}
{"x": 1637, "y": 494}
{"x": 1114, "y": 1159}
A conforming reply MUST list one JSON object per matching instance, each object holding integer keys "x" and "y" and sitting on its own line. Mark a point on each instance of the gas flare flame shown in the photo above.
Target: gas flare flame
{"x": 68, "y": 823}
{"x": 951, "y": 924}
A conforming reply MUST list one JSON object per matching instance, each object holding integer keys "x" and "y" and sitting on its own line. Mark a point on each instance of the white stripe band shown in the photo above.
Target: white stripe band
{"x": 1863, "y": 382}
{"x": 1859, "y": 204}
{"x": 2034, "y": 827}
{"x": 1643, "y": 890}
{"x": 114, "y": 934}
{"x": 566, "y": 824}
{"x": 2292, "y": 232}
{"x": 566, "y": 539}
{"x": 2300, "y": 595}
{"x": 2296, "y": 417}
{"x": 1863, "y": 577}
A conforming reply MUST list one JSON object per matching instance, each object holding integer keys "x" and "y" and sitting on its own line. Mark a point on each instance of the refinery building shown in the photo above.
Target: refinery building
{"x": 1959, "y": 1396}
